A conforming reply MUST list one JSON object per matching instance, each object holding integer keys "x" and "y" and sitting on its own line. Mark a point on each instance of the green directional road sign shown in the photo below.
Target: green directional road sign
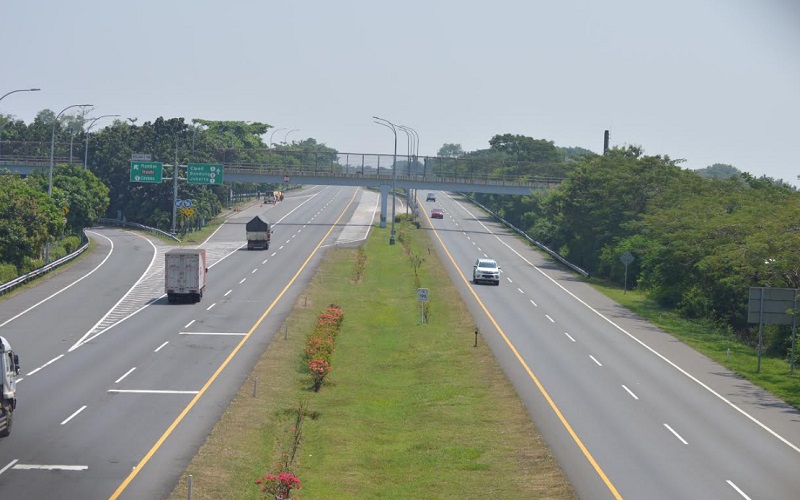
{"x": 204, "y": 173}
{"x": 146, "y": 171}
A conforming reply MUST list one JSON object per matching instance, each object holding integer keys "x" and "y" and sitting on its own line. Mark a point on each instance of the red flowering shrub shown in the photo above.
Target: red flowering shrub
{"x": 319, "y": 369}
{"x": 279, "y": 487}
{"x": 320, "y": 344}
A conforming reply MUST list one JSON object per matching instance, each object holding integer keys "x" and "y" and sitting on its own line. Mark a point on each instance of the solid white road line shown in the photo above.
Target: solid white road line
{"x": 147, "y": 391}
{"x": 50, "y": 467}
{"x": 233, "y": 334}
{"x": 9, "y": 320}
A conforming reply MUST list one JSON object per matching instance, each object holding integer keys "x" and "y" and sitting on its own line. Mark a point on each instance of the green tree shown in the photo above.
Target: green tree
{"x": 450, "y": 151}
{"x": 28, "y": 218}
{"x": 85, "y": 197}
{"x": 522, "y": 148}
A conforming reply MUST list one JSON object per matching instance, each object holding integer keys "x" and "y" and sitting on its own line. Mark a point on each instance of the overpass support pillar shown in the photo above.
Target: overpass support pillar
{"x": 384, "y": 203}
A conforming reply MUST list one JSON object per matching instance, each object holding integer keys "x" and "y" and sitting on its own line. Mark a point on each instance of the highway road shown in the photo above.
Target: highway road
{"x": 119, "y": 388}
{"x": 628, "y": 411}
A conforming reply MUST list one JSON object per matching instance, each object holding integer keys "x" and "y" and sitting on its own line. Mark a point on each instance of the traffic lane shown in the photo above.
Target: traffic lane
{"x": 580, "y": 471}
{"x": 694, "y": 389}
{"x": 40, "y": 320}
{"x": 139, "y": 330}
{"x": 709, "y": 439}
{"x": 160, "y": 473}
{"x": 762, "y": 406}
{"x": 234, "y": 227}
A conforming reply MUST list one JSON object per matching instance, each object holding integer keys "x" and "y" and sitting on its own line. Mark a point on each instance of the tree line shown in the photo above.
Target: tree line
{"x": 700, "y": 239}
{"x": 35, "y": 227}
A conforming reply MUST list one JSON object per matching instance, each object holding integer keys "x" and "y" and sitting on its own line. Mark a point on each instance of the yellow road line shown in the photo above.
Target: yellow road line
{"x": 224, "y": 364}
{"x": 533, "y": 377}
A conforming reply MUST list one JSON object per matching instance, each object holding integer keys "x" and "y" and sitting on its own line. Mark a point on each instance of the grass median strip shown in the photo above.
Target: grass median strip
{"x": 409, "y": 409}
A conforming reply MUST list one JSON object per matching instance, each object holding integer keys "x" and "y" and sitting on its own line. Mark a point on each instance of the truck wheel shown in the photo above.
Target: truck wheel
{"x": 7, "y": 431}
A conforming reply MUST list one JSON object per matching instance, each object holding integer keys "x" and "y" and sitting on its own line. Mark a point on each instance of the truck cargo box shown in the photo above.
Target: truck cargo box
{"x": 256, "y": 225}
{"x": 258, "y": 234}
{"x": 185, "y": 273}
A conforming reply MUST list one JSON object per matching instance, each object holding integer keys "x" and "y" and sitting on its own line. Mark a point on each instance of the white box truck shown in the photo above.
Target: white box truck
{"x": 185, "y": 274}
{"x": 9, "y": 369}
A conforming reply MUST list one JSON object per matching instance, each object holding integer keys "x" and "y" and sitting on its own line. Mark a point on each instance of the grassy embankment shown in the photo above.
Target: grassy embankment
{"x": 409, "y": 410}
{"x": 714, "y": 343}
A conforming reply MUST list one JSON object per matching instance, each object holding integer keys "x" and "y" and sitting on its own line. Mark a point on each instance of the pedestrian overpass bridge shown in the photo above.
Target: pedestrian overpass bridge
{"x": 347, "y": 169}
{"x": 471, "y": 181}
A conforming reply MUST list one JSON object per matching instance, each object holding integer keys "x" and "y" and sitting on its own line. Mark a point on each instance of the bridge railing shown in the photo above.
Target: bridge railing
{"x": 470, "y": 170}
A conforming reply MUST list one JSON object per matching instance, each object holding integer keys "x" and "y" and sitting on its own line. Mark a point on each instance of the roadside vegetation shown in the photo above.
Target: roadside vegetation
{"x": 406, "y": 409}
{"x": 718, "y": 343}
{"x": 699, "y": 242}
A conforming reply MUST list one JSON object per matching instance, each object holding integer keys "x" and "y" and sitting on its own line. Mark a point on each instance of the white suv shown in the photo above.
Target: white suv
{"x": 486, "y": 270}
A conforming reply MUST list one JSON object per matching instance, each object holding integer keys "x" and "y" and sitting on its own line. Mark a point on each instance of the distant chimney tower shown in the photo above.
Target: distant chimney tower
{"x": 605, "y": 142}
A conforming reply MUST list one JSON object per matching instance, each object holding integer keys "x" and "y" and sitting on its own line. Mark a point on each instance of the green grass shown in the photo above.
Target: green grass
{"x": 715, "y": 343}
{"x": 410, "y": 410}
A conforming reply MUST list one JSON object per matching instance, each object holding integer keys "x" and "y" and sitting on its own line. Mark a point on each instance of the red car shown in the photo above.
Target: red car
{"x": 437, "y": 213}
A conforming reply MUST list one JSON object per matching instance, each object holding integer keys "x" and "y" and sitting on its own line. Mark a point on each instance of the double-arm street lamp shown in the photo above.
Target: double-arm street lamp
{"x": 86, "y": 146}
{"x": 391, "y": 126}
{"x": 412, "y": 136}
{"x": 53, "y": 145}
{"x": 273, "y": 134}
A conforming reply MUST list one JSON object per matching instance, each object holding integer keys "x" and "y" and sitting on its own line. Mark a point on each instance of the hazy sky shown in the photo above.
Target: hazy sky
{"x": 709, "y": 81}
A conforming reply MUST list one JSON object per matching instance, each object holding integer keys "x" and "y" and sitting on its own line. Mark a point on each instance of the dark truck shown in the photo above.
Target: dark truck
{"x": 258, "y": 234}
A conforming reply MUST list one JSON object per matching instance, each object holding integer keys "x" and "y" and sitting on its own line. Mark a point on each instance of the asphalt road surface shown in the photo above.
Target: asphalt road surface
{"x": 119, "y": 388}
{"x": 628, "y": 411}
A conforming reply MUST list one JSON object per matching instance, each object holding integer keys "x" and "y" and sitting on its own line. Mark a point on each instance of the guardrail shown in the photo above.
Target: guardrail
{"x": 522, "y": 233}
{"x": 122, "y": 223}
{"x": 10, "y": 285}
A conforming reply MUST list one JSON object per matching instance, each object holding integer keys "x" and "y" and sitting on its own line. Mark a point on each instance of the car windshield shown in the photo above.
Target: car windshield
{"x": 488, "y": 264}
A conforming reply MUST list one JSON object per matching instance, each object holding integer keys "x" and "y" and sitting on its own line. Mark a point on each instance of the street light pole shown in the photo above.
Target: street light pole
{"x": 86, "y": 146}
{"x": 53, "y": 145}
{"x": 409, "y": 149}
{"x": 8, "y": 94}
{"x": 390, "y": 125}
{"x": 285, "y": 137}
{"x": 273, "y": 134}
{"x": 18, "y": 90}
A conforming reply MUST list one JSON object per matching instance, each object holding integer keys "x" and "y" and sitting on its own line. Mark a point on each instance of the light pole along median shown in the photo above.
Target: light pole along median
{"x": 53, "y": 145}
{"x": 391, "y": 126}
{"x": 86, "y": 146}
